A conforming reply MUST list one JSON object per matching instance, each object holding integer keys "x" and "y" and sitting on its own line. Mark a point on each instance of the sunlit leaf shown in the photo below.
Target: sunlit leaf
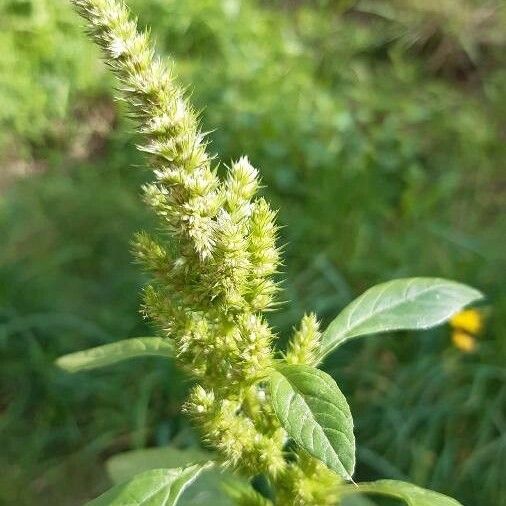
{"x": 158, "y": 487}
{"x": 115, "y": 352}
{"x": 208, "y": 489}
{"x": 411, "y": 303}
{"x": 315, "y": 414}
{"x": 411, "y": 494}
{"x": 126, "y": 465}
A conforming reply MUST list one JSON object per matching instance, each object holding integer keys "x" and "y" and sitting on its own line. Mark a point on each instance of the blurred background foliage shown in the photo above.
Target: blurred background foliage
{"x": 379, "y": 129}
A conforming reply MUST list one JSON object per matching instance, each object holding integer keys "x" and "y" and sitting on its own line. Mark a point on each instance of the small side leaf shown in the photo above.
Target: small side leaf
{"x": 411, "y": 494}
{"x": 115, "y": 352}
{"x": 409, "y": 304}
{"x": 315, "y": 414}
{"x": 151, "y": 488}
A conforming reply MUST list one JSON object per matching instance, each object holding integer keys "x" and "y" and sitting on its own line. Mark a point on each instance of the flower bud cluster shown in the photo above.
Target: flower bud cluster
{"x": 303, "y": 347}
{"x": 234, "y": 434}
{"x": 307, "y": 482}
{"x": 247, "y": 496}
{"x": 212, "y": 266}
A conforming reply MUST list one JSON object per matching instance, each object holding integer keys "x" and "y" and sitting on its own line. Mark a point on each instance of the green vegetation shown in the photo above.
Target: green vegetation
{"x": 382, "y": 165}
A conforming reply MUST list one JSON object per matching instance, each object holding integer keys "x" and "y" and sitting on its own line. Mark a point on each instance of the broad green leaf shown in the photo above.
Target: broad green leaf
{"x": 126, "y": 465}
{"x": 115, "y": 352}
{"x": 315, "y": 414}
{"x": 411, "y": 494}
{"x": 208, "y": 488}
{"x": 158, "y": 487}
{"x": 356, "y": 500}
{"x": 409, "y": 304}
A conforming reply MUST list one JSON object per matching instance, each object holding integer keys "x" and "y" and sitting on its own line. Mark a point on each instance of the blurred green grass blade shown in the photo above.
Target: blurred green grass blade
{"x": 401, "y": 304}
{"x": 155, "y": 487}
{"x": 107, "y": 354}
{"x": 411, "y": 494}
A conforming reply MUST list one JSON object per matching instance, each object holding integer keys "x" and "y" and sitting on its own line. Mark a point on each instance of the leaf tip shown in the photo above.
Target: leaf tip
{"x": 65, "y": 363}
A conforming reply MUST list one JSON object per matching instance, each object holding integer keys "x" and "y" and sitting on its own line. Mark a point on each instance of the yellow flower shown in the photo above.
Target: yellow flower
{"x": 466, "y": 325}
{"x": 469, "y": 320}
{"x": 463, "y": 341}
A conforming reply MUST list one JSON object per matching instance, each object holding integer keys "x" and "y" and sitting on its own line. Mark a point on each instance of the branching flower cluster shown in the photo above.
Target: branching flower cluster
{"x": 212, "y": 268}
{"x": 212, "y": 265}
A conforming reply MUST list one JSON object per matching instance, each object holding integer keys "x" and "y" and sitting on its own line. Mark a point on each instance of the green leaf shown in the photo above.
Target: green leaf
{"x": 115, "y": 352}
{"x": 158, "y": 487}
{"x": 208, "y": 488}
{"x": 411, "y": 494}
{"x": 315, "y": 414}
{"x": 411, "y": 303}
{"x": 126, "y": 465}
{"x": 356, "y": 500}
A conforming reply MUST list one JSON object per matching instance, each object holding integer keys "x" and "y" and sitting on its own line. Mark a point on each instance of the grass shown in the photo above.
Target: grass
{"x": 382, "y": 165}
